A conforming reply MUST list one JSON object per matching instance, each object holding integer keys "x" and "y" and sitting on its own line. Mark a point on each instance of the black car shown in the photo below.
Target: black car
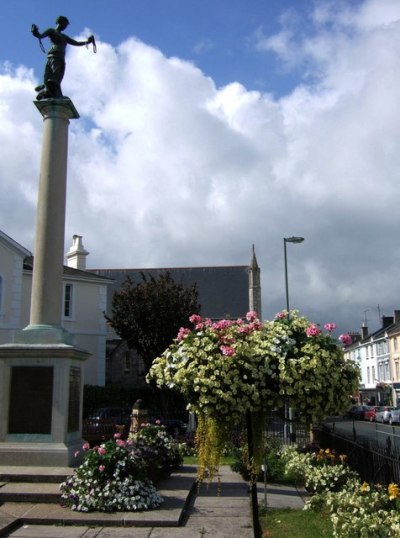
{"x": 356, "y": 412}
{"x": 116, "y": 415}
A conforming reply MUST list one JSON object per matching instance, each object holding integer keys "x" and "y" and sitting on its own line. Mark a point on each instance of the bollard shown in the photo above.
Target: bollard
{"x": 139, "y": 416}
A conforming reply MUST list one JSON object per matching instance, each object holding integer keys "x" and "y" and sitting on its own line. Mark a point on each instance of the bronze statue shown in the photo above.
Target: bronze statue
{"x": 55, "y": 65}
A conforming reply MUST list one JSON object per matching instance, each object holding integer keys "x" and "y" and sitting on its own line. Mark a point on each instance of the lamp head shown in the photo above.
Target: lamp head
{"x": 294, "y": 239}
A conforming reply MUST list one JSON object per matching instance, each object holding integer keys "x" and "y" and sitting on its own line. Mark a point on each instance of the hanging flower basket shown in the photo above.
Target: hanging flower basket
{"x": 230, "y": 368}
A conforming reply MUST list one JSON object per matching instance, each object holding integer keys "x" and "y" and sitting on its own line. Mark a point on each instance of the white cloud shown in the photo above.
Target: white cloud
{"x": 166, "y": 169}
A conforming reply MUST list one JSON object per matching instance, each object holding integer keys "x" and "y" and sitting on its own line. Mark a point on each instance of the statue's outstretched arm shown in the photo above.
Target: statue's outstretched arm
{"x": 36, "y": 33}
{"x": 71, "y": 41}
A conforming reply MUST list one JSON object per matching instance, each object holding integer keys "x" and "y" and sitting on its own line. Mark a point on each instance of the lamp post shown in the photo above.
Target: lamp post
{"x": 289, "y": 240}
{"x": 288, "y": 412}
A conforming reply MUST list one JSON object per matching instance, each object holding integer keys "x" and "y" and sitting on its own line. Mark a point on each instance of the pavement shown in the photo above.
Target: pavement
{"x": 221, "y": 509}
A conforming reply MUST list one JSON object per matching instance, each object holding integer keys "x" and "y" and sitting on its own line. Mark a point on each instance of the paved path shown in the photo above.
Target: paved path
{"x": 217, "y": 510}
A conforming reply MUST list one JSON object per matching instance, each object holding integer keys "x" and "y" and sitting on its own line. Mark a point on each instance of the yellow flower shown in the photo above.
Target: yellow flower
{"x": 343, "y": 458}
{"x": 364, "y": 487}
{"x": 394, "y": 491}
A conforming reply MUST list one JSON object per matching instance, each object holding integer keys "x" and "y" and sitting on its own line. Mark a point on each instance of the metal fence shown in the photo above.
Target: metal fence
{"x": 375, "y": 462}
{"x": 288, "y": 431}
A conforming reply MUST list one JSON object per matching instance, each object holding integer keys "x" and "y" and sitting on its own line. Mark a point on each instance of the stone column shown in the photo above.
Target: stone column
{"x": 47, "y": 281}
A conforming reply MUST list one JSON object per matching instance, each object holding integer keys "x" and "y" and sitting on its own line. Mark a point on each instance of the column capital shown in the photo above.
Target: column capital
{"x": 57, "y": 108}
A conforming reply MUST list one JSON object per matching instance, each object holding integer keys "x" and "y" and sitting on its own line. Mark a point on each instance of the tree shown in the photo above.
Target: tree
{"x": 148, "y": 315}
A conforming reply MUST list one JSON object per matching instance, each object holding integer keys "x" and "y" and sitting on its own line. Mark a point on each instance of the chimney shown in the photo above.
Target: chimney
{"x": 397, "y": 316}
{"x": 364, "y": 331}
{"x": 76, "y": 256}
{"x": 386, "y": 321}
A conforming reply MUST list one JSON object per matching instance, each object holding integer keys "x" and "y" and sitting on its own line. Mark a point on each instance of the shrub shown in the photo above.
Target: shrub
{"x": 160, "y": 453}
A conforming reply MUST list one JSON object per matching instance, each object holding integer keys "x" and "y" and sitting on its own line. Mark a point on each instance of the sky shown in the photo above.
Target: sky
{"x": 207, "y": 127}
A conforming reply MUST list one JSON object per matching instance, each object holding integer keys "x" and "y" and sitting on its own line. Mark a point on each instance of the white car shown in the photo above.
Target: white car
{"x": 389, "y": 415}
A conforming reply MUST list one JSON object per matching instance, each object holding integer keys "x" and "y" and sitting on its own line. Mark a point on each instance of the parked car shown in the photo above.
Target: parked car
{"x": 356, "y": 412}
{"x": 370, "y": 413}
{"x": 116, "y": 415}
{"x": 389, "y": 415}
{"x": 384, "y": 415}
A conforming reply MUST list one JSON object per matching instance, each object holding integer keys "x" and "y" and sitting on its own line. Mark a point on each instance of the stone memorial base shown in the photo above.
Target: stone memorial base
{"x": 41, "y": 391}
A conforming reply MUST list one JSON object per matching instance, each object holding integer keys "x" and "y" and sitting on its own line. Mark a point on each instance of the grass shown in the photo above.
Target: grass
{"x": 282, "y": 523}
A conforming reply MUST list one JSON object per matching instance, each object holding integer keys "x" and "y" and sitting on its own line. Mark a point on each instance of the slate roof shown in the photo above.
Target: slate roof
{"x": 223, "y": 291}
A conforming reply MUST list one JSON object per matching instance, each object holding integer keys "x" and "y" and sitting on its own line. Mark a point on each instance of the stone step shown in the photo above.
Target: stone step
{"x": 29, "y": 492}
{"x": 54, "y": 475}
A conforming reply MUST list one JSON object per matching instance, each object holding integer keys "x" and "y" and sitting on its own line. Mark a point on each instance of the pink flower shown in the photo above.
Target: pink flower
{"x": 117, "y": 435}
{"x": 158, "y": 421}
{"x": 280, "y": 315}
{"x": 330, "y": 327}
{"x": 102, "y": 451}
{"x": 313, "y": 330}
{"x": 120, "y": 442}
{"x": 251, "y": 316}
{"x": 85, "y": 446}
{"x": 101, "y": 468}
{"x": 182, "y": 333}
{"x": 227, "y": 350}
{"x": 195, "y": 319}
{"x": 346, "y": 339}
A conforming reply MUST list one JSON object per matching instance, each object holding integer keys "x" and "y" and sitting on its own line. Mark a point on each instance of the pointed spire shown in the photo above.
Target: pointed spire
{"x": 255, "y": 285}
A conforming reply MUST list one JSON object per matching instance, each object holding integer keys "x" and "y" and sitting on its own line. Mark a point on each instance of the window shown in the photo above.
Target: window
{"x": 1, "y": 294}
{"x": 395, "y": 343}
{"x": 368, "y": 375}
{"x": 68, "y": 289}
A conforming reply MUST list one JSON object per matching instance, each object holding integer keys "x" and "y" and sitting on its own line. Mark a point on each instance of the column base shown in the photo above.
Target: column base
{"x": 43, "y": 334}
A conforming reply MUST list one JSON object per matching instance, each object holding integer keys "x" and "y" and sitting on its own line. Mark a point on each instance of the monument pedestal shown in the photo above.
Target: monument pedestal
{"x": 41, "y": 388}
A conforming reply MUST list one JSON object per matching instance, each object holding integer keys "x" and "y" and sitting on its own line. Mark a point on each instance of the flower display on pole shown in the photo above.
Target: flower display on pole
{"x": 231, "y": 367}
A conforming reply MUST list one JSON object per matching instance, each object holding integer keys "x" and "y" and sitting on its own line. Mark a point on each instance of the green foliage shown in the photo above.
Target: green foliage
{"x": 148, "y": 315}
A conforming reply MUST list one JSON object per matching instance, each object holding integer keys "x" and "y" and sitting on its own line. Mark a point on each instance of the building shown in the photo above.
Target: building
{"x": 83, "y": 303}
{"x": 224, "y": 292}
{"x": 378, "y": 356}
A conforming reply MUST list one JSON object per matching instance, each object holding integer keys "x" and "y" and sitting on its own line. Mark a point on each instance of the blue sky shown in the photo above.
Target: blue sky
{"x": 209, "y": 126}
{"x": 218, "y": 36}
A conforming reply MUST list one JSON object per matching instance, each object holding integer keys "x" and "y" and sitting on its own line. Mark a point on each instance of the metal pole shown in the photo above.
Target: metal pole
{"x": 286, "y": 275}
{"x": 254, "y": 496}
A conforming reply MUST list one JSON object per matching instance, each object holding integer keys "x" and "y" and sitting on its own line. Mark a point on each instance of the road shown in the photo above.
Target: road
{"x": 361, "y": 428}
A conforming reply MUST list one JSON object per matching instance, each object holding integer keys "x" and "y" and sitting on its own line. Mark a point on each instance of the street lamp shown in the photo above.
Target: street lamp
{"x": 289, "y": 411}
{"x": 289, "y": 240}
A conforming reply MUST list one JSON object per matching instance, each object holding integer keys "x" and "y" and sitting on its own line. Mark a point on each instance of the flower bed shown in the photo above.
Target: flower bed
{"x": 118, "y": 475}
{"x": 357, "y": 510}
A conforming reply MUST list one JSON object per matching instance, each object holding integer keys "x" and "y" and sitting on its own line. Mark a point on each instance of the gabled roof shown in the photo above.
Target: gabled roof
{"x": 10, "y": 243}
{"x": 223, "y": 290}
